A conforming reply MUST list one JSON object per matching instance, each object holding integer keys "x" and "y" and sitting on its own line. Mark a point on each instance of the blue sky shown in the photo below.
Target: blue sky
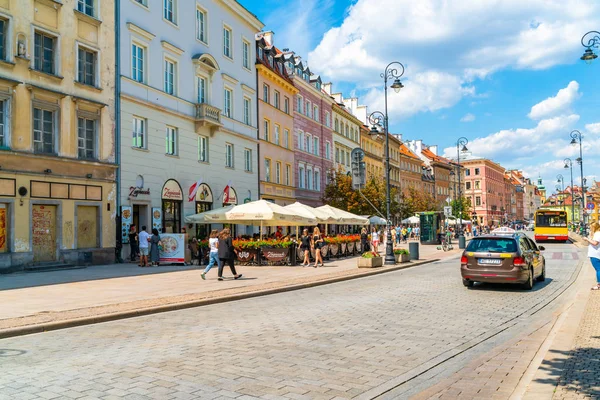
{"x": 505, "y": 74}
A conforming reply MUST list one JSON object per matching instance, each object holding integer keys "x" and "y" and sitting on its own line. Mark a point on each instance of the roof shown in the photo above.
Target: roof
{"x": 434, "y": 157}
{"x": 406, "y": 152}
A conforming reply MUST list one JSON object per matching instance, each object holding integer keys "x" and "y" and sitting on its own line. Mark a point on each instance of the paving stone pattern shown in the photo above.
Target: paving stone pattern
{"x": 328, "y": 342}
{"x": 580, "y": 373}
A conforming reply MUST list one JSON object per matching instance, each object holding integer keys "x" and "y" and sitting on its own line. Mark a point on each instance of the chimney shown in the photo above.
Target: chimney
{"x": 361, "y": 114}
{"x": 434, "y": 149}
{"x": 326, "y": 88}
{"x": 268, "y": 36}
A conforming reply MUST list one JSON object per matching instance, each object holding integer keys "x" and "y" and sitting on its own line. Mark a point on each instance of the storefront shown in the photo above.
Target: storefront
{"x": 204, "y": 202}
{"x": 172, "y": 199}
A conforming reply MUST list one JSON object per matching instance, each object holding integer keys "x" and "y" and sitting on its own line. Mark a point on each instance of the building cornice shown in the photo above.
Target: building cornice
{"x": 245, "y": 15}
{"x": 269, "y": 74}
{"x": 172, "y": 48}
{"x": 140, "y": 31}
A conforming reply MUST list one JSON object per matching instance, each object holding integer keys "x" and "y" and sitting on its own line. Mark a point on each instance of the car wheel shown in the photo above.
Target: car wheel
{"x": 529, "y": 284}
{"x": 542, "y": 276}
{"x": 468, "y": 283}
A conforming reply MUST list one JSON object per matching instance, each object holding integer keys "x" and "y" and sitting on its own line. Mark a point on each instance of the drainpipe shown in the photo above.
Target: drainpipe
{"x": 117, "y": 130}
{"x": 257, "y": 138}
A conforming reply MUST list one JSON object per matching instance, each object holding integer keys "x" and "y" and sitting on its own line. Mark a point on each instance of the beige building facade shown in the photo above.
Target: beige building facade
{"x": 57, "y": 147}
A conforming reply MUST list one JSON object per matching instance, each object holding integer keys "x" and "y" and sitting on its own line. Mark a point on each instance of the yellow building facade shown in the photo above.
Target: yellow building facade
{"x": 57, "y": 150}
{"x": 373, "y": 148}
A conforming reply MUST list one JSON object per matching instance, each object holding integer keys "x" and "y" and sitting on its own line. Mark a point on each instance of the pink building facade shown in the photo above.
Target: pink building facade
{"x": 485, "y": 187}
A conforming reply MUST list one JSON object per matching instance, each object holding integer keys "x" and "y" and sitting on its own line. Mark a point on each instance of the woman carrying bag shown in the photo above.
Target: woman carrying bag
{"x": 317, "y": 244}
{"x": 305, "y": 247}
{"x": 227, "y": 253}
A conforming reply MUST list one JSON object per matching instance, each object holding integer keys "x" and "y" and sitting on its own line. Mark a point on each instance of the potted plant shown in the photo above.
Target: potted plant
{"x": 401, "y": 255}
{"x": 370, "y": 259}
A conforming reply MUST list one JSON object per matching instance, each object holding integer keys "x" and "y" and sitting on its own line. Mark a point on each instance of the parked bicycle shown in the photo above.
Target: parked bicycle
{"x": 446, "y": 244}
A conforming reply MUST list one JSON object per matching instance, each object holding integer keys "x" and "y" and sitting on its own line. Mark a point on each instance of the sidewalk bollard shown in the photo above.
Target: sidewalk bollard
{"x": 293, "y": 257}
{"x": 461, "y": 242}
{"x": 413, "y": 249}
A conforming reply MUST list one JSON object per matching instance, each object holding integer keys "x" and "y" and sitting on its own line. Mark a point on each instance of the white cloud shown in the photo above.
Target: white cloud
{"x": 557, "y": 104}
{"x": 593, "y": 128}
{"x": 468, "y": 118}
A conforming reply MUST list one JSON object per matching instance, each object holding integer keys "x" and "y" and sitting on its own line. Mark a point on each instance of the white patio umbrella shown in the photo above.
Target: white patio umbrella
{"x": 321, "y": 216}
{"x": 344, "y": 217}
{"x": 207, "y": 217}
{"x": 376, "y": 220}
{"x": 411, "y": 220}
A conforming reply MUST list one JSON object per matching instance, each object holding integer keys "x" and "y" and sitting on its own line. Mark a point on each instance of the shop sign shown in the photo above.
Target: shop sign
{"x": 126, "y": 221}
{"x": 172, "y": 191}
{"x": 173, "y": 248}
{"x": 230, "y": 198}
{"x": 275, "y": 254}
{"x": 204, "y": 194}
{"x": 136, "y": 192}
{"x": 246, "y": 255}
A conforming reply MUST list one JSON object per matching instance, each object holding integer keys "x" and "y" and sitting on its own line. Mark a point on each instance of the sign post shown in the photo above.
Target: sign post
{"x": 447, "y": 211}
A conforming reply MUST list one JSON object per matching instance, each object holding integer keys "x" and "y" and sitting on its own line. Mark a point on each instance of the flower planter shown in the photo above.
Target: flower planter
{"x": 404, "y": 258}
{"x": 370, "y": 262}
{"x": 351, "y": 247}
{"x": 344, "y": 247}
{"x": 334, "y": 249}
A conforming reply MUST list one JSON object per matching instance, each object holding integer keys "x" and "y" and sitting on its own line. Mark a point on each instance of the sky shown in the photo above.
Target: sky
{"x": 505, "y": 74}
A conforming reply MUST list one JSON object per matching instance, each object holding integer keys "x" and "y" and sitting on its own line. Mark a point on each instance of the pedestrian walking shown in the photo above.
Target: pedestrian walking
{"x": 305, "y": 247}
{"x": 375, "y": 240}
{"x": 317, "y": 245}
{"x": 364, "y": 240}
{"x": 213, "y": 245}
{"x": 155, "y": 246}
{"x": 227, "y": 253}
{"x": 144, "y": 238}
{"x": 594, "y": 250}
{"x": 133, "y": 242}
{"x": 398, "y": 234}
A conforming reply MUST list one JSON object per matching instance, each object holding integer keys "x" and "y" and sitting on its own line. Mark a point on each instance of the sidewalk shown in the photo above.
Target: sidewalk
{"x": 59, "y": 299}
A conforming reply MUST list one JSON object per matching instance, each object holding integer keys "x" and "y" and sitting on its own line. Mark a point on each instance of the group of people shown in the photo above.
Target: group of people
{"x": 311, "y": 242}
{"x": 144, "y": 245}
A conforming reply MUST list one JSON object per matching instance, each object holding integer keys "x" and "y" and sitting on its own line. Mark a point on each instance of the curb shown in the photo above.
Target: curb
{"x": 52, "y": 326}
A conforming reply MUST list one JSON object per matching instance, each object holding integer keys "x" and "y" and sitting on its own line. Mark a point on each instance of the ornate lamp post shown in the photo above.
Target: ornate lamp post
{"x": 561, "y": 180}
{"x": 576, "y": 137}
{"x": 394, "y": 71}
{"x": 590, "y": 40}
{"x": 569, "y": 164}
{"x": 461, "y": 146}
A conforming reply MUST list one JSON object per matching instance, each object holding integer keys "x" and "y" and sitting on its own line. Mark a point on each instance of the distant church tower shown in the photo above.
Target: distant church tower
{"x": 541, "y": 189}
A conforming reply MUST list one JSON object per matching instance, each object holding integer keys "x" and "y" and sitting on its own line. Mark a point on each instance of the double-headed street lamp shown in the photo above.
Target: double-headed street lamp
{"x": 569, "y": 164}
{"x": 461, "y": 146}
{"x": 394, "y": 71}
{"x": 576, "y": 137}
{"x": 561, "y": 180}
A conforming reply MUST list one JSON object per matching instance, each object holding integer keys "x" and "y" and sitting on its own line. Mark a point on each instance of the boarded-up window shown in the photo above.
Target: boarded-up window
{"x": 87, "y": 234}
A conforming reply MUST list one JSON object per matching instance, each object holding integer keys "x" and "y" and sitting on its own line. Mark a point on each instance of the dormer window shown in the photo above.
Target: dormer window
{"x": 260, "y": 53}
{"x": 306, "y": 78}
{"x": 271, "y": 60}
{"x": 289, "y": 68}
{"x": 299, "y": 71}
{"x": 318, "y": 85}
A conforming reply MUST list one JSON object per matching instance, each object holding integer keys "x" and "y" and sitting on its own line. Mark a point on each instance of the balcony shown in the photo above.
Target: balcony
{"x": 208, "y": 116}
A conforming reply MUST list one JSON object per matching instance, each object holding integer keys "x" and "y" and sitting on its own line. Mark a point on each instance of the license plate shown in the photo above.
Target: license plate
{"x": 551, "y": 238}
{"x": 489, "y": 261}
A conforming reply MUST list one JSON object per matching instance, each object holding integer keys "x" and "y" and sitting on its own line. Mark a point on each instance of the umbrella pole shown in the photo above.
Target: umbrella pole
{"x": 261, "y": 227}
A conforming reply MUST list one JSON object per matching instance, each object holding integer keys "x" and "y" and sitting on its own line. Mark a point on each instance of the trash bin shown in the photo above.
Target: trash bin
{"x": 293, "y": 257}
{"x": 413, "y": 249}
{"x": 461, "y": 242}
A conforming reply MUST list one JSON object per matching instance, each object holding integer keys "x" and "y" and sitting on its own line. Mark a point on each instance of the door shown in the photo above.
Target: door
{"x": 43, "y": 233}
{"x": 537, "y": 257}
{"x": 87, "y": 231}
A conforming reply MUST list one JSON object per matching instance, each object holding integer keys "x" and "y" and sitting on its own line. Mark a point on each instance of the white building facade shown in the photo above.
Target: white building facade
{"x": 188, "y": 109}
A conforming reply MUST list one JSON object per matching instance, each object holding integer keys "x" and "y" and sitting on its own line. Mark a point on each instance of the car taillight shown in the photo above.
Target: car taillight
{"x": 463, "y": 260}
{"x": 519, "y": 262}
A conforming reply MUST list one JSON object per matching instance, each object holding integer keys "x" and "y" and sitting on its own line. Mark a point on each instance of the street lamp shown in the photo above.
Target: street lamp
{"x": 561, "y": 180}
{"x": 577, "y": 137}
{"x": 590, "y": 40}
{"x": 394, "y": 71}
{"x": 569, "y": 164}
{"x": 461, "y": 146}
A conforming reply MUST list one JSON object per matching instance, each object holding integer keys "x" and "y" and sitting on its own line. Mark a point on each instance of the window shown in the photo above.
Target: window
{"x": 316, "y": 113}
{"x": 286, "y": 105}
{"x": 247, "y": 160}
{"x": 247, "y": 109}
{"x": 44, "y": 53}
{"x": 227, "y": 42}
{"x": 317, "y": 180}
{"x": 277, "y": 139}
{"x": 86, "y": 7}
{"x": 301, "y": 177}
{"x": 202, "y": 149}
{"x": 467, "y": 172}
{"x": 308, "y": 143}
{"x": 227, "y": 96}
{"x": 276, "y": 100}
{"x": 343, "y": 158}
{"x": 327, "y": 150}
{"x": 201, "y": 90}
{"x": 86, "y": 138}
{"x": 300, "y": 140}
{"x": 266, "y": 93}
{"x": 169, "y": 10}
{"x": 300, "y": 105}
{"x": 137, "y": 63}
{"x": 4, "y": 124}
{"x": 347, "y": 158}
{"x": 337, "y": 126}
{"x": 327, "y": 119}
{"x": 142, "y": 2}
{"x": 43, "y": 131}
{"x": 228, "y": 155}
{"x": 169, "y": 77}
{"x": 3, "y": 36}
{"x": 316, "y": 146}
{"x": 266, "y": 130}
{"x": 288, "y": 174}
{"x": 347, "y": 131}
{"x": 337, "y": 155}
{"x": 309, "y": 178}
{"x": 201, "y": 25}
{"x": 476, "y": 171}
{"x": 139, "y": 133}
{"x": 468, "y": 185}
{"x": 477, "y": 185}
{"x": 171, "y": 141}
{"x": 477, "y": 201}
{"x": 246, "y": 54}
{"x": 267, "y": 170}
{"x": 286, "y": 138}
{"x": 278, "y": 172}
{"x": 86, "y": 68}
{"x": 308, "y": 110}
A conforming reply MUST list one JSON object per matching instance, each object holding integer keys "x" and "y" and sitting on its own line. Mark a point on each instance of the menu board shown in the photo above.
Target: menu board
{"x": 173, "y": 248}
{"x": 126, "y": 221}
{"x": 157, "y": 218}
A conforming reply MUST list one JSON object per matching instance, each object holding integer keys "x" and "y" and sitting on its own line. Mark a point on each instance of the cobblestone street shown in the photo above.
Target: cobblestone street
{"x": 344, "y": 340}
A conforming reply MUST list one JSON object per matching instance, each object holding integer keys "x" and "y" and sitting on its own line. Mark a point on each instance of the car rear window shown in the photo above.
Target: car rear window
{"x": 492, "y": 245}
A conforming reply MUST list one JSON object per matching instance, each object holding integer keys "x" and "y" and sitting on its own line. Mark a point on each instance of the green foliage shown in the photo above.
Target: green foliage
{"x": 466, "y": 207}
{"x": 401, "y": 251}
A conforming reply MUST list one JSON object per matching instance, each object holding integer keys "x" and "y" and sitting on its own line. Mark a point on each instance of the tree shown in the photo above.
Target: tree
{"x": 466, "y": 207}
{"x": 417, "y": 201}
